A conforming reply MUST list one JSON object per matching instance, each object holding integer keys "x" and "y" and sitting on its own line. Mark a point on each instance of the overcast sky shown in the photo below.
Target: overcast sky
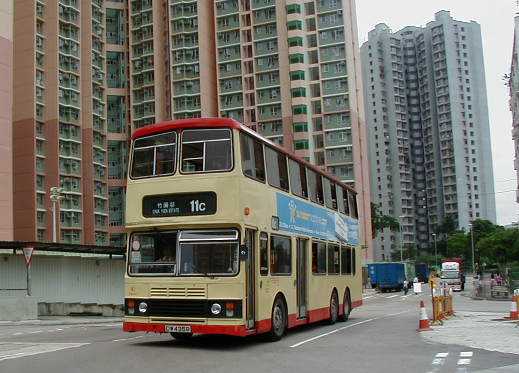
{"x": 497, "y": 26}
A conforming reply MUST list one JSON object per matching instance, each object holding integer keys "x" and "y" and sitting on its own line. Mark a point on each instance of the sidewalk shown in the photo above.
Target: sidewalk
{"x": 64, "y": 320}
{"x": 477, "y": 329}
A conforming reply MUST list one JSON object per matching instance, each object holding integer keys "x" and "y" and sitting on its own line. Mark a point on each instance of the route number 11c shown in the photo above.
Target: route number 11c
{"x": 197, "y": 206}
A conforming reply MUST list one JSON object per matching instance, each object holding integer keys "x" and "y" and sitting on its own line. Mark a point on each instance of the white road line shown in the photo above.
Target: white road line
{"x": 392, "y": 296}
{"x": 466, "y": 354}
{"x": 18, "y": 333}
{"x": 127, "y": 339}
{"x": 50, "y": 348}
{"x": 464, "y": 362}
{"x": 35, "y": 332}
{"x": 369, "y": 296}
{"x": 397, "y": 313}
{"x": 333, "y": 331}
{"x": 438, "y": 361}
{"x": 59, "y": 330}
{"x": 442, "y": 354}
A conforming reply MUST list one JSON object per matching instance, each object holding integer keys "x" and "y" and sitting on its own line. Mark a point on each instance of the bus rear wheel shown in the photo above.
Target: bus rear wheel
{"x": 334, "y": 308}
{"x": 346, "y": 307}
{"x": 278, "y": 320}
{"x": 182, "y": 336}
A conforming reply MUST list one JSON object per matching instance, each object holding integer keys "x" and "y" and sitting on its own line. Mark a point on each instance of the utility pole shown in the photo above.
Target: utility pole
{"x": 472, "y": 247}
{"x": 55, "y": 196}
{"x": 400, "y": 218}
{"x": 435, "y": 251}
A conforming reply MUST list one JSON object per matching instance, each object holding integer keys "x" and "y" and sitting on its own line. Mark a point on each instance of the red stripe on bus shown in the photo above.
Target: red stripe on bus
{"x": 237, "y": 330}
{"x": 356, "y": 303}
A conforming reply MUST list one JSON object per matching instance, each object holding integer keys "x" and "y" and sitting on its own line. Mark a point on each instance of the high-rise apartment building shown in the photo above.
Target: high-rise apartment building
{"x": 60, "y": 119}
{"x": 428, "y": 128}
{"x": 117, "y": 114}
{"x": 514, "y": 98}
{"x": 289, "y": 69}
{"x": 6, "y": 125}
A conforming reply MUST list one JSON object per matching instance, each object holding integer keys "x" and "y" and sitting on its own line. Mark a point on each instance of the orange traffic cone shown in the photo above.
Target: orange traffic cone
{"x": 514, "y": 315}
{"x": 423, "y": 325}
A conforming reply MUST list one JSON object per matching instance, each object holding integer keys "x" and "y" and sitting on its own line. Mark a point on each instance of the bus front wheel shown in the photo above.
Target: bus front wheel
{"x": 278, "y": 320}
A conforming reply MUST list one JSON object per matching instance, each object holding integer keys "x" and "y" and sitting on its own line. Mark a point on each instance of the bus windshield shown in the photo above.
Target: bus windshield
{"x": 153, "y": 253}
{"x": 206, "y": 253}
{"x": 209, "y": 253}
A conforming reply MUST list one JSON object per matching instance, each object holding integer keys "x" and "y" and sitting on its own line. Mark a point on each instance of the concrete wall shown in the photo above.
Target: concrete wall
{"x": 67, "y": 279}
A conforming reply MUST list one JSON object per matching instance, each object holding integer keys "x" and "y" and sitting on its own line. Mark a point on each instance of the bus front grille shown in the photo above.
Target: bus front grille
{"x": 178, "y": 291}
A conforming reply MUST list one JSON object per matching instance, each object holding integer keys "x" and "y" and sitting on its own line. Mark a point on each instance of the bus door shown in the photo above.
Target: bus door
{"x": 302, "y": 281}
{"x": 250, "y": 275}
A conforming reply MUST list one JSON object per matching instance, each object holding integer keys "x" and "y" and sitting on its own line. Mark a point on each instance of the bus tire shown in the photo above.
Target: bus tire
{"x": 346, "y": 308}
{"x": 334, "y": 308}
{"x": 182, "y": 336}
{"x": 278, "y": 320}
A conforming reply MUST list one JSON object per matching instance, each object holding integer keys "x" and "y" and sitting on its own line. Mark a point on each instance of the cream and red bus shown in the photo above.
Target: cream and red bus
{"x": 229, "y": 233}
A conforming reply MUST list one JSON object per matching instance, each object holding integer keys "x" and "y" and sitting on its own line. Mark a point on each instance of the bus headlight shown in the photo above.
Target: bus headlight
{"x": 143, "y": 307}
{"x": 216, "y": 308}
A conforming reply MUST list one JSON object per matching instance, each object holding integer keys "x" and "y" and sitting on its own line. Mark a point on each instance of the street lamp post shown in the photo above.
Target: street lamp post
{"x": 471, "y": 226}
{"x": 55, "y": 196}
{"x": 435, "y": 251}
{"x": 400, "y": 218}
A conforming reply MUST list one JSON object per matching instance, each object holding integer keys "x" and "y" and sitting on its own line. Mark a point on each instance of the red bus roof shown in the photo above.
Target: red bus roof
{"x": 162, "y": 127}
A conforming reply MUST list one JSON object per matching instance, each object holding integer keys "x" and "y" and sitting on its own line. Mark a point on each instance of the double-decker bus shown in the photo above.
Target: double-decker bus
{"x": 229, "y": 233}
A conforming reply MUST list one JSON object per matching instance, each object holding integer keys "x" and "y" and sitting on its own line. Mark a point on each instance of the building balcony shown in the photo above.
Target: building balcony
{"x": 324, "y": 6}
{"x": 226, "y": 7}
{"x": 229, "y": 54}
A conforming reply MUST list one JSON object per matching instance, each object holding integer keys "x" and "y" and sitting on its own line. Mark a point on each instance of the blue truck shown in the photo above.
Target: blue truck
{"x": 387, "y": 276}
{"x": 422, "y": 272}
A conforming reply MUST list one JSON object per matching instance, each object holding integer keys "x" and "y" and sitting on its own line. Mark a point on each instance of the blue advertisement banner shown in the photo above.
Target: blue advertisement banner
{"x": 300, "y": 217}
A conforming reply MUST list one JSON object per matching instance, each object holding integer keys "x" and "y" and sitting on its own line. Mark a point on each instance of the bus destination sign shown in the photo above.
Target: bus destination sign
{"x": 184, "y": 204}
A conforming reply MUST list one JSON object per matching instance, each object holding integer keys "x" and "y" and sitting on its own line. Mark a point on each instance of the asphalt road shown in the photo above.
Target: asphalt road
{"x": 379, "y": 337}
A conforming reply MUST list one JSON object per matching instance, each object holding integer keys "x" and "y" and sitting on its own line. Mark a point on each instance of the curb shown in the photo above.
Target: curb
{"x": 61, "y": 322}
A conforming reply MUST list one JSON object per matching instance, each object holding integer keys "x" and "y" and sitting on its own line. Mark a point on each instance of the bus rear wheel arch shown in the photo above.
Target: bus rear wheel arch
{"x": 334, "y": 307}
{"x": 279, "y": 318}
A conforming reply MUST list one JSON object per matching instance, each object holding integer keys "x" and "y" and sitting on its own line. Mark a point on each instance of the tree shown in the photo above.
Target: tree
{"x": 380, "y": 221}
{"x": 458, "y": 245}
{"x": 447, "y": 226}
{"x": 499, "y": 248}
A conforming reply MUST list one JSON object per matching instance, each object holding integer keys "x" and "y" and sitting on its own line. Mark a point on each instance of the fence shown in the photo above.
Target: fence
{"x": 65, "y": 278}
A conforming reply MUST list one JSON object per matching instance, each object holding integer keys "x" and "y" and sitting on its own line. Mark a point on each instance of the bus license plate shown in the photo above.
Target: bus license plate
{"x": 178, "y": 329}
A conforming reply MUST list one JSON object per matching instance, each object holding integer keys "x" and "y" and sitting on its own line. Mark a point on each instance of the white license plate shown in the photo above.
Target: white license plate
{"x": 178, "y": 328}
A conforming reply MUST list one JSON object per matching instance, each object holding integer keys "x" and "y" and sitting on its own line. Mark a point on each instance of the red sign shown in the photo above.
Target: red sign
{"x": 27, "y": 253}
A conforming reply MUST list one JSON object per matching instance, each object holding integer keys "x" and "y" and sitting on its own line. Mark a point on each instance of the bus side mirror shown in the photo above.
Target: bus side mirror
{"x": 244, "y": 252}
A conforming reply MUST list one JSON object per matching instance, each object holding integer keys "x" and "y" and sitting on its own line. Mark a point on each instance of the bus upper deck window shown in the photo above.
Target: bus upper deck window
{"x": 206, "y": 150}
{"x": 154, "y": 155}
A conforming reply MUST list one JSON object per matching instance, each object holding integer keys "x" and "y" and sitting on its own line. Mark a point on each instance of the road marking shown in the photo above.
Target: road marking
{"x": 392, "y": 296}
{"x": 369, "y": 296}
{"x": 29, "y": 349}
{"x": 442, "y": 354}
{"x": 332, "y": 332}
{"x": 397, "y": 313}
{"x": 35, "y": 332}
{"x": 127, "y": 339}
{"x": 464, "y": 362}
{"x": 59, "y": 330}
{"x": 18, "y": 333}
{"x": 466, "y": 354}
{"x": 438, "y": 361}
